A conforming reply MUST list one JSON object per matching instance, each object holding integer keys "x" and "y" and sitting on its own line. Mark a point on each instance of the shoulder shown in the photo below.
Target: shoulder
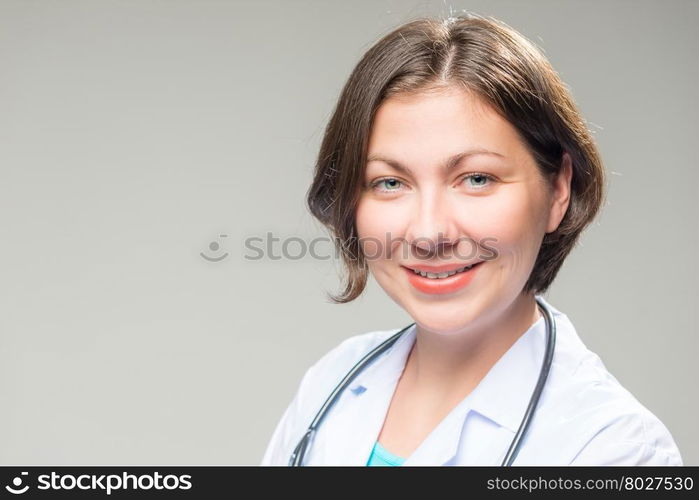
{"x": 624, "y": 431}
{"x": 314, "y": 388}
{"x": 602, "y": 422}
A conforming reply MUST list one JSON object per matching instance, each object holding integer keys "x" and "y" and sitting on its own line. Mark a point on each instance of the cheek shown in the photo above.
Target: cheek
{"x": 378, "y": 223}
{"x": 363, "y": 221}
{"x": 511, "y": 223}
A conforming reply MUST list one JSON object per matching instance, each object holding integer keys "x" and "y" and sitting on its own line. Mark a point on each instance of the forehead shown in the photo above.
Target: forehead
{"x": 420, "y": 128}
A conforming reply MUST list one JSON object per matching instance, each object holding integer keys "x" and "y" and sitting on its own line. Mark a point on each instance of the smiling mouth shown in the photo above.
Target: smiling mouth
{"x": 443, "y": 275}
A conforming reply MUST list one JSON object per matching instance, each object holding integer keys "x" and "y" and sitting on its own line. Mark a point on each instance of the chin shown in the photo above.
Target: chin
{"x": 447, "y": 327}
{"x": 440, "y": 319}
{"x": 437, "y": 314}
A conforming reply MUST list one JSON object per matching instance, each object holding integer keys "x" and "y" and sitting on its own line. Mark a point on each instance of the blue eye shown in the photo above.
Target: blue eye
{"x": 481, "y": 179}
{"x": 389, "y": 181}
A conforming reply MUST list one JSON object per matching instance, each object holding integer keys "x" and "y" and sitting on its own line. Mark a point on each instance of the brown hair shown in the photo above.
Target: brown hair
{"x": 482, "y": 55}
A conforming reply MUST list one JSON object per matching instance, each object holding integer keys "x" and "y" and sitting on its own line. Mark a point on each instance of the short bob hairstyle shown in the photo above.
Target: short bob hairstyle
{"x": 482, "y": 55}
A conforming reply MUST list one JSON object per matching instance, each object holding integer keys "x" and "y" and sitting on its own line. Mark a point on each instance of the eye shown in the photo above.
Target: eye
{"x": 392, "y": 184}
{"x": 480, "y": 180}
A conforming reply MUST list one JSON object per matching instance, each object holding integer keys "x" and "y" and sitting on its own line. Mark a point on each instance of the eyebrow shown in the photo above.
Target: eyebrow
{"x": 447, "y": 165}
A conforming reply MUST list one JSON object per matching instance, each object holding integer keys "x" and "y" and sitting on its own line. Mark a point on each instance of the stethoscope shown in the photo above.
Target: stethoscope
{"x": 300, "y": 451}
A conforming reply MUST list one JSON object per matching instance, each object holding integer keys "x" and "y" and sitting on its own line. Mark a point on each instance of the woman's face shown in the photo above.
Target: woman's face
{"x": 418, "y": 210}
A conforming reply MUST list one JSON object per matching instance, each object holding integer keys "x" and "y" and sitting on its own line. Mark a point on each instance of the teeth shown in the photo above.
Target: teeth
{"x": 441, "y": 275}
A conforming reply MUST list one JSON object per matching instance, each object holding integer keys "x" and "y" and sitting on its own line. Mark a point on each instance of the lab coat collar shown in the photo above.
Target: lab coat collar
{"x": 501, "y": 396}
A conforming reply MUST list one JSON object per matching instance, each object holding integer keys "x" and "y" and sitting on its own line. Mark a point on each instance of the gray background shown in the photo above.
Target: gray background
{"x": 134, "y": 133}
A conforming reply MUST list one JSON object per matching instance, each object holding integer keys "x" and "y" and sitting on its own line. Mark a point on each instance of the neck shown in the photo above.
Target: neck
{"x": 449, "y": 367}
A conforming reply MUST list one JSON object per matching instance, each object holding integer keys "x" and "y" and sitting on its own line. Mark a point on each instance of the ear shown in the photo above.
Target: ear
{"x": 561, "y": 193}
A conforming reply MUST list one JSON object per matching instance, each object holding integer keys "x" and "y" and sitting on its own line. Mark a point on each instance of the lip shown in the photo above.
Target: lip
{"x": 441, "y": 285}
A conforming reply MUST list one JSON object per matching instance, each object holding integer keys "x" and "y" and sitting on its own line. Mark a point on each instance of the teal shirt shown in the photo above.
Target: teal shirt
{"x": 381, "y": 456}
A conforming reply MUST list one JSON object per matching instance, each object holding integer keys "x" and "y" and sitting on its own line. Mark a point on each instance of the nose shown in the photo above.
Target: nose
{"x": 432, "y": 225}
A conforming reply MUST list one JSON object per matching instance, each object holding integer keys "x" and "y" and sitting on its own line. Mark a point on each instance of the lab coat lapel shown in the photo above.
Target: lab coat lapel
{"x": 352, "y": 434}
{"x": 351, "y": 429}
{"x": 441, "y": 445}
{"x": 504, "y": 393}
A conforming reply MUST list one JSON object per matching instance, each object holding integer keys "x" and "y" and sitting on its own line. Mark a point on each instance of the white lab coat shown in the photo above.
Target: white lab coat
{"x": 584, "y": 416}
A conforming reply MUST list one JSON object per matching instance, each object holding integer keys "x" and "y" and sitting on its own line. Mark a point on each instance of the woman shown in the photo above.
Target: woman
{"x": 457, "y": 169}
